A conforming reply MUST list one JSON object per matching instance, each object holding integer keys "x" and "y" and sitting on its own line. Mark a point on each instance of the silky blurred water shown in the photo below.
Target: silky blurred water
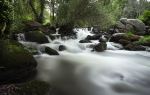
{"x": 78, "y": 71}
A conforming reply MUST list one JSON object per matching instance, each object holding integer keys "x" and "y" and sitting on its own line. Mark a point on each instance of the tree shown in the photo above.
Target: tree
{"x": 39, "y": 14}
{"x": 5, "y": 19}
{"x": 80, "y": 13}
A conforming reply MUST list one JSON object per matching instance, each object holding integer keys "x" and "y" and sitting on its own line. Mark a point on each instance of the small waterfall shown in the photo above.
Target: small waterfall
{"x": 49, "y": 39}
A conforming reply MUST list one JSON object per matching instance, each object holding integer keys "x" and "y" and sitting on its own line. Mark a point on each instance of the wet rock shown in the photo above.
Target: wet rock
{"x": 16, "y": 64}
{"x": 100, "y": 47}
{"x": 62, "y": 48}
{"x": 51, "y": 51}
{"x": 124, "y": 38}
{"x": 85, "y": 41}
{"x": 103, "y": 39}
{"x": 117, "y": 36}
{"x": 135, "y": 47}
{"x": 94, "y": 37}
{"x": 145, "y": 44}
{"x": 32, "y": 26}
{"x": 36, "y": 36}
{"x": 124, "y": 42}
{"x": 112, "y": 31}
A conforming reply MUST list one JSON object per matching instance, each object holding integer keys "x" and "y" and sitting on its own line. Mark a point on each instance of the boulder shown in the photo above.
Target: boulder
{"x": 124, "y": 38}
{"x": 134, "y": 25}
{"x": 102, "y": 39}
{"x": 117, "y": 36}
{"x": 16, "y": 64}
{"x": 94, "y": 37}
{"x": 85, "y": 41}
{"x": 138, "y": 25}
{"x": 32, "y": 25}
{"x": 36, "y": 36}
{"x": 100, "y": 47}
{"x": 120, "y": 25}
{"x": 124, "y": 42}
{"x": 51, "y": 51}
{"x": 62, "y": 48}
{"x": 135, "y": 47}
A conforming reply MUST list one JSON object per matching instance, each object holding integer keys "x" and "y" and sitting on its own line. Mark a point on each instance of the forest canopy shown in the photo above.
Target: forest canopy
{"x": 78, "y": 13}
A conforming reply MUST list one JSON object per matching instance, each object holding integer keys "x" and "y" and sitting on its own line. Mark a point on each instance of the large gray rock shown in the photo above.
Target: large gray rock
{"x": 135, "y": 25}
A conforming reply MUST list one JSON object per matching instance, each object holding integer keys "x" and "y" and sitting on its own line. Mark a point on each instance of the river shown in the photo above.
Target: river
{"x": 79, "y": 71}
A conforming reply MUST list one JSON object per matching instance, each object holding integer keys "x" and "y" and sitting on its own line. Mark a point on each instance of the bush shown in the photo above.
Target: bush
{"x": 146, "y": 17}
{"x": 5, "y": 17}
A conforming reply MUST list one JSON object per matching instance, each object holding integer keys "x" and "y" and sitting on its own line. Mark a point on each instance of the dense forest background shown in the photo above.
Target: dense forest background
{"x": 76, "y": 13}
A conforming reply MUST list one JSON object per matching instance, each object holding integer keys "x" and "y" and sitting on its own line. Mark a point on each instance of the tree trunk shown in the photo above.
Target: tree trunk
{"x": 41, "y": 16}
{"x": 38, "y": 17}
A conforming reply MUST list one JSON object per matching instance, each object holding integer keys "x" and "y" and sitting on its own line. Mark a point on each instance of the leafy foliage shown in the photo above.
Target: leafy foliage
{"x": 5, "y": 17}
{"x": 81, "y": 13}
{"x": 145, "y": 39}
{"x": 146, "y": 17}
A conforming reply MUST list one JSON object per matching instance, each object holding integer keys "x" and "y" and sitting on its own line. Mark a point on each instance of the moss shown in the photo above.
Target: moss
{"x": 33, "y": 87}
{"x": 129, "y": 34}
{"x": 13, "y": 54}
{"x": 36, "y": 36}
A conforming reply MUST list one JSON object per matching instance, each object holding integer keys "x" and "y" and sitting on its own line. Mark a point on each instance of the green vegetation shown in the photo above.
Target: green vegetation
{"x": 76, "y": 13}
{"x": 145, "y": 39}
{"x": 146, "y": 17}
{"x": 129, "y": 33}
{"x": 13, "y": 54}
{"x": 36, "y": 36}
{"x": 5, "y": 18}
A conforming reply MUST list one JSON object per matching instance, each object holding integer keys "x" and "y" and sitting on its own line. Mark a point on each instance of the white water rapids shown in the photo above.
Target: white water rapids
{"x": 78, "y": 71}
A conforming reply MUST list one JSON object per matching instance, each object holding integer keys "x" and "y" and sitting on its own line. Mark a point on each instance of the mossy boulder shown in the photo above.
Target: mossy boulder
{"x": 16, "y": 63}
{"x": 123, "y": 38}
{"x": 135, "y": 47}
{"x": 36, "y": 36}
{"x": 100, "y": 47}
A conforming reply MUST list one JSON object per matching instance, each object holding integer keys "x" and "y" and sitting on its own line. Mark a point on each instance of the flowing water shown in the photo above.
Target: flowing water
{"x": 78, "y": 71}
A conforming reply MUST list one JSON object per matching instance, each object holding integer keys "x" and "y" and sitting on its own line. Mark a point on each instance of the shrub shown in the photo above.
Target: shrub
{"x": 146, "y": 17}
